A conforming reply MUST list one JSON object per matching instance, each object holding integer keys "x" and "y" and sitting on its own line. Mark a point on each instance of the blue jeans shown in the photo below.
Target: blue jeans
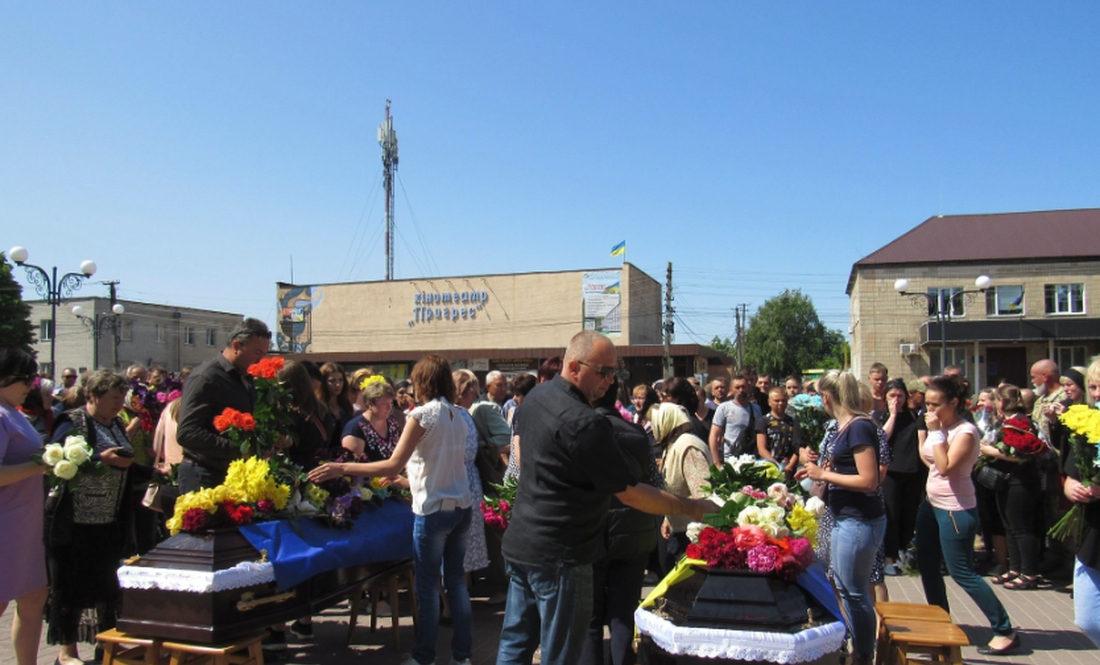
{"x": 439, "y": 539}
{"x": 948, "y": 536}
{"x": 549, "y": 605}
{"x": 1086, "y": 600}
{"x": 853, "y": 545}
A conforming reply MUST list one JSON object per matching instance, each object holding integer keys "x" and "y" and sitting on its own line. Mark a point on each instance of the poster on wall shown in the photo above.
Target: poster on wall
{"x": 602, "y": 301}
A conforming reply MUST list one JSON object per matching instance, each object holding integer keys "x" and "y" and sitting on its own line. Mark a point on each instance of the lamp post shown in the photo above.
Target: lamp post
{"x": 95, "y": 325}
{"x": 52, "y": 288}
{"x": 935, "y": 304}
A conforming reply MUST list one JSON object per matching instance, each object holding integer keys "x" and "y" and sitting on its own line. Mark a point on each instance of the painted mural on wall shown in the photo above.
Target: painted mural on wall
{"x": 602, "y": 302}
{"x": 296, "y": 307}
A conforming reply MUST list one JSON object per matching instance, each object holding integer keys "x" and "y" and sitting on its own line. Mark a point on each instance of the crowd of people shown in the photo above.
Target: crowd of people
{"x": 608, "y": 476}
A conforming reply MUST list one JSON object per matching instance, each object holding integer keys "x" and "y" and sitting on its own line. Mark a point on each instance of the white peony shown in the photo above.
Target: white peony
{"x": 65, "y": 470}
{"x": 777, "y": 492}
{"x": 750, "y": 515}
{"x": 693, "y": 531}
{"x": 773, "y": 514}
{"x": 815, "y": 506}
{"x": 52, "y": 454}
{"x": 773, "y": 530}
{"x": 744, "y": 460}
{"x": 77, "y": 454}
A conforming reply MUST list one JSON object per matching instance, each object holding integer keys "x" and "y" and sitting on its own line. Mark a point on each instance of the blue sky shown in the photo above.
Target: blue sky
{"x": 192, "y": 149}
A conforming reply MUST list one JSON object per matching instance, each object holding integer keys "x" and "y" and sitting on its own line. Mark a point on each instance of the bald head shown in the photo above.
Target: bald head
{"x": 584, "y": 344}
{"x": 1045, "y": 373}
{"x": 590, "y": 363}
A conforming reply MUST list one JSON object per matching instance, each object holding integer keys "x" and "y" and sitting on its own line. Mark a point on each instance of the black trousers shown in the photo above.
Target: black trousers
{"x": 616, "y": 588}
{"x": 903, "y": 493}
{"x": 1020, "y": 506}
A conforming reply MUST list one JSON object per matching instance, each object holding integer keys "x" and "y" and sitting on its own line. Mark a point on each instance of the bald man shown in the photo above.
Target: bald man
{"x": 1048, "y": 390}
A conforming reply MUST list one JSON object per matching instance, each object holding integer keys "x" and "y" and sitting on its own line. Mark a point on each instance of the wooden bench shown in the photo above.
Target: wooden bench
{"x": 391, "y": 581}
{"x": 245, "y": 651}
{"x": 941, "y": 641}
{"x": 122, "y": 649}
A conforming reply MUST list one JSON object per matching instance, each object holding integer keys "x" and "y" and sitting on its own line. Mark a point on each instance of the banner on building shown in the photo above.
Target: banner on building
{"x": 602, "y": 301}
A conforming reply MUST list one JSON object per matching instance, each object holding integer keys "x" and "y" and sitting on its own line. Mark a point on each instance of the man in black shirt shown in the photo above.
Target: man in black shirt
{"x": 213, "y": 386}
{"x": 571, "y": 468}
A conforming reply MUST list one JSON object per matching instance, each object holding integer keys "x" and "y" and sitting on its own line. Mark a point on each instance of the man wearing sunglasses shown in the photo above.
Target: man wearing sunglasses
{"x": 571, "y": 468}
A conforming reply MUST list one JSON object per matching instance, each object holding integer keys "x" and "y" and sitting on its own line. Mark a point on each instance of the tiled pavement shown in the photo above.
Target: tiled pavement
{"x": 1045, "y": 618}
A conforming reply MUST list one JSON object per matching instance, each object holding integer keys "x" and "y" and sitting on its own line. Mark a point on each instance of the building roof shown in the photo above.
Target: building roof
{"x": 997, "y": 237}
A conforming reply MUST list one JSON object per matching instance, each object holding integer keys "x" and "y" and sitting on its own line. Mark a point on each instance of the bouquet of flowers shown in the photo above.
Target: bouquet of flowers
{"x": 256, "y": 433}
{"x": 340, "y": 501}
{"x": 154, "y": 399}
{"x": 1017, "y": 438}
{"x": 497, "y": 511}
{"x": 67, "y": 460}
{"x": 809, "y": 411}
{"x": 1084, "y": 423}
{"x": 250, "y": 493}
{"x": 770, "y": 527}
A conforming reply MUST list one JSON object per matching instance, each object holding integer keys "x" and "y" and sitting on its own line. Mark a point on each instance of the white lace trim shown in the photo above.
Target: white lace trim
{"x": 241, "y": 575}
{"x": 801, "y": 647}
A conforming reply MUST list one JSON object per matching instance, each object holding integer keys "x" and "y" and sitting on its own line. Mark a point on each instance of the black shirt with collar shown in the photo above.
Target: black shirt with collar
{"x": 571, "y": 468}
{"x": 210, "y": 389}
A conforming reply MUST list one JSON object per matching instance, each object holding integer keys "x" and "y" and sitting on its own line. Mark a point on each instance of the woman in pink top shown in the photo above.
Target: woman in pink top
{"x": 948, "y": 520}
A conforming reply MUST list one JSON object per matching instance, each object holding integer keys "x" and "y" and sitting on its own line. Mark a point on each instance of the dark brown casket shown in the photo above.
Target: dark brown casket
{"x": 222, "y": 616}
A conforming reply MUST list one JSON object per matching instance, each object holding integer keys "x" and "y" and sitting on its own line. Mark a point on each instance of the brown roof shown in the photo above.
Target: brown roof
{"x": 996, "y": 237}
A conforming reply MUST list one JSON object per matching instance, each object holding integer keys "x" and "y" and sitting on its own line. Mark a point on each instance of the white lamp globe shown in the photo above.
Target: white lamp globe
{"x": 88, "y": 268}
{"x": 901, "y": 284}
{"x": 18, "y": 254}
{"x": 78, "y": 310}
{"x": 118, "y": 308}
{"x": 983, "y": 281}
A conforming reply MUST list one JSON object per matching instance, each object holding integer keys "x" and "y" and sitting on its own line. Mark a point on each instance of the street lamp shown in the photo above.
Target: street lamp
{"x": 935, "y": 305}
{"x": 96, "y": 324}
{"x": 53, "y": 289}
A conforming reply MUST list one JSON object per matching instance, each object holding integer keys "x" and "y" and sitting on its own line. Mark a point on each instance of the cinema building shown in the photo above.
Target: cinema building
{"x": 510, "y": 323}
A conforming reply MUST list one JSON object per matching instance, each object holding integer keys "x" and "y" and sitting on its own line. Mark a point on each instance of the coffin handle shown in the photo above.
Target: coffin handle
{"x": 249, "y": 601}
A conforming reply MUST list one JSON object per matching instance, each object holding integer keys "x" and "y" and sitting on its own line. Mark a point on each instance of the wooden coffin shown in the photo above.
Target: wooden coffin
{"x": 222, "y": 616}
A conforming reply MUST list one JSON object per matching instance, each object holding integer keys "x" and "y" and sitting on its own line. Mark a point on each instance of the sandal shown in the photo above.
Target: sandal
{"x": 1006, "y": 577}
{"x": 1023, "y": 583}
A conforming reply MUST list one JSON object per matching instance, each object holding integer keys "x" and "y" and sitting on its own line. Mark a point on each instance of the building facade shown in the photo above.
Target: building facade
{"x": 507, "y": 322}
{"x": 148, "y": 334}
{"x": 1042, "y": 301}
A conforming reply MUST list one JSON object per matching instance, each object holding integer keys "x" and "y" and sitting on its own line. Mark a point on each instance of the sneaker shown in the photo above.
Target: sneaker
{"x": 275, "y": 641}
{"x": 409, "y": 660}
{"x": 891, "y": 570}
{"x": 302, "y": 631}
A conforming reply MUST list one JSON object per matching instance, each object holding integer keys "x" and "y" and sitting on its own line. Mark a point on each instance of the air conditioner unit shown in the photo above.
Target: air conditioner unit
{"x": 908, "y": 349}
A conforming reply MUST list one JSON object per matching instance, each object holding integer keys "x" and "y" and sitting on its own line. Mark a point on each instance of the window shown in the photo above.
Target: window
{"x": 211, "y": 336}
{"x": 126, "y": 331}
{"x": 189, "y": 336}
{"x": 159, "y": 329}
{"x": 946, "y": 300}
{"x": 45, "y": 330}
{"x": 955, "y": 356}
{"x": 1065, "y": 298}
{"x": 1070, "y": 356}
{"x": 1004, "y": 301}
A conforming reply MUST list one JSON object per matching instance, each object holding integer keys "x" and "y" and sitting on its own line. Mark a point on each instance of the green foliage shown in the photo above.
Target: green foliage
{"x": 16, "y": 328}
{"x": 786, "y": 336}
{"x": 723, "y": 345}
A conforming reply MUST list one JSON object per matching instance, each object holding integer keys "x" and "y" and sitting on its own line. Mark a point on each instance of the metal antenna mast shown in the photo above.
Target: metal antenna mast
{"x": 387, "y": 138}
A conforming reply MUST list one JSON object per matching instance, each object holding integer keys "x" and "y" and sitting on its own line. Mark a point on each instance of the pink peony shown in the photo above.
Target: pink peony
{"x": 748, "y": 537}
{"x": 802, "y": 551}
{"x": 265, "y": 505}
{"x": 762, "y": 558}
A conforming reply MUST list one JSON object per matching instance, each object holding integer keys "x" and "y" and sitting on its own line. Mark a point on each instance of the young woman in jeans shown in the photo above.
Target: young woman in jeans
{"x": 433, "y": 445}
{"x": 852, "y": 474}
{"x": 948, "y": 520}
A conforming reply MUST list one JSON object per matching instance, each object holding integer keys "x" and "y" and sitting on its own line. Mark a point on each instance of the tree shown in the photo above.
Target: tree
{"x": 723, "y": 345}
{"x": 15, "y": 314}
{"x": 785, "y": 336}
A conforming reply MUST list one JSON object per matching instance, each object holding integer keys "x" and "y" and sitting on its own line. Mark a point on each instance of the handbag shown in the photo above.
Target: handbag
{"x": 992, "y": 478}
{"x": 160, "y": 497}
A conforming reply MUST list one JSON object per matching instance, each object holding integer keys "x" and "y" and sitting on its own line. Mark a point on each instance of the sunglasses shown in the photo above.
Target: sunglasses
{"x": 602, "y": 372}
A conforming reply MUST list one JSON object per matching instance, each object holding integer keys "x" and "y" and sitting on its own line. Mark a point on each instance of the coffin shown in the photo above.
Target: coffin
{"x": 742, "y": 599}
{"x": 217, "y": 587}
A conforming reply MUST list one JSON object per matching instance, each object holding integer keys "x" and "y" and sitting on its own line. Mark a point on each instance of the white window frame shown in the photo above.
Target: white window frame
{"x": 1069, "y": 356}
{"x": 956, "y": 355}
{"x": 126, "y": 331}
{"x": 1052, "y": 296}
{"x": 189, "y": 336}
{"x": 940, "y": 296}
{"x": 45, "y": 330}
{"x": 211, "y": 337}
{"x": 992, "y": 301}
{"x": 160, "y": 332}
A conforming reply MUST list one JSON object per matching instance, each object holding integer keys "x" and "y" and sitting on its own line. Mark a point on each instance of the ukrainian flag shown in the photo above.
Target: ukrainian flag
{"x": 619, "y": 250}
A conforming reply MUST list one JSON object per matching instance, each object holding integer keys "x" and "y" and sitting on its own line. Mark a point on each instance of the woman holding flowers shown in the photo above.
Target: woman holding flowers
{"x": 685, "y": 464}
{"x": 1082, "y": 487}
{"x": 433, "y": 446}
{"x": 377, "y": 429}
{"x": 89, "y": 524}
{"x": 21, "y": 498}
{"x": 1014, "y": 449}
{"x": 852, "y": 476}
{"x": 948, "y": 519}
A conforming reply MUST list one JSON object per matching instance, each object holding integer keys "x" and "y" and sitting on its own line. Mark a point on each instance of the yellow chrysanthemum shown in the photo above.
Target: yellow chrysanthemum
{"x": 1083, "y": 420}
{"x": 316, "y": 496}
{"x": 803, "y": 523}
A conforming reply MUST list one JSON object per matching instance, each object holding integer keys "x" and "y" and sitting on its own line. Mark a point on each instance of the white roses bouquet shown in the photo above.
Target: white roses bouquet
{"x": 66, "y": 460}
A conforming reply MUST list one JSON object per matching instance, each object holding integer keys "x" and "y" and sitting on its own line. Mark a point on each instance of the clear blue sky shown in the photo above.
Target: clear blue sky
{"x": 191, "y": 148}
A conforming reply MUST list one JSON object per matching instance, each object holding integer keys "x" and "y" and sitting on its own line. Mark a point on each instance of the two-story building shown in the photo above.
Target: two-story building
{"x": 1042, "y": 299}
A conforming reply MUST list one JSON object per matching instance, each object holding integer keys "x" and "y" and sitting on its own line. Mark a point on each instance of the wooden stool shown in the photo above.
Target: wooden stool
{"x": 943, "y": 642}
{"x": 126, "y": 649}
{"x": 245, "y": 651}
{"x": 916, "y": 611}
{"x": 390, "y": 581}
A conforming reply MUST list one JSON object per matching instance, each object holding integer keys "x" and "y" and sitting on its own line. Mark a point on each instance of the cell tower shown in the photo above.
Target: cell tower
{"x": 387, "y": 138}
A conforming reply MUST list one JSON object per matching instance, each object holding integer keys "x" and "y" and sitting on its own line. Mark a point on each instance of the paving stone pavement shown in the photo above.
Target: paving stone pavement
{"x": 1045, "y": 617}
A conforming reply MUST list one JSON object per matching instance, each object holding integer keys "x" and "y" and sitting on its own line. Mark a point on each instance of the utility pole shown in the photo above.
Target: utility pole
{"x": 115, "y": 323}
{"x": 741, "y": 320}
{"x": 670, "y": 326}
{"x": 387, "y": 138}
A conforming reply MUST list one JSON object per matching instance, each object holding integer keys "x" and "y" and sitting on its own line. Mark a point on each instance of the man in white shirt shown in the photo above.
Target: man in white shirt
{"x": 732, "y": 419}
